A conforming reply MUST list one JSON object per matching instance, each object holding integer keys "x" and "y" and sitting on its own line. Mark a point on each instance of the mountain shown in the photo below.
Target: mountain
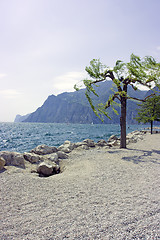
{"x": 152, "y": 91}
{"x": 20, "y": 118}
{"x": 73, "y": 107}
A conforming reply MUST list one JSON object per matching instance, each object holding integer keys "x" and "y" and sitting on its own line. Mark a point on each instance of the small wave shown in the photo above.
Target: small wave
{"x": 24, "y": 137}
{"x": 48, "y": 134}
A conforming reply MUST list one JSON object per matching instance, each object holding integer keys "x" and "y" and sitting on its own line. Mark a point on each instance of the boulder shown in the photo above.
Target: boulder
{"x": 2, "y": 163}
{"x": 89, "y": 142}
{"x": 62, "y": 155}
{"x": 67, "y": 147}
{"x": 31, "y": 157}
{"x": 64, "y": 149}
{"x": 69, "y": 144}
{"x": 113, "y": 143}
{"x": 84, "y": 146}
{"x": 13, "y": 158}
{"x": 53, "y": 157}
{"x": 81, "y": 146}
{"x": 44, "y": 149}
{"x": 112, "y": 138}
{"x": 47, "y": 169}
{"x": 35, "y": 158}
{"x": 78, "y": 144}
{"x": 134, "y": 136}
{"x": 101, "y": 143}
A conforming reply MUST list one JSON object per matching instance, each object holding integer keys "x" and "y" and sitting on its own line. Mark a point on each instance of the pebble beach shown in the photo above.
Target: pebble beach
{"x": 102, "y": 193}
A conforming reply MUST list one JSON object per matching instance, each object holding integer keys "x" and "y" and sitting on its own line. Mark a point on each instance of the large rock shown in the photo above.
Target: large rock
{"x": 67, "y": 147}
{"x": 53, "y": 157}
{"x": 134, "y": 136}
{"x": 32, "y": 157}
{"x": 113, "y": 143}
{"x": 64, "y": 149}
{"x": 112, "y": 138}
{"x": 89, "y": 142}
{"x": 2, "y": 163}
{"x": 101, "y": 143}
{"x": 47, "y": 169}
{"x": 13, "y": 159}
{"x": 62, "y": 155}
{"x": 35, "y": 158}
{"x": 79, "y": 144}
{"x": 44, "y": 149}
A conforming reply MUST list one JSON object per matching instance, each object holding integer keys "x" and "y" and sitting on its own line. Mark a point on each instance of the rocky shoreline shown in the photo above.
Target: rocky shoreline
{"x": 47, "y": 161}
{"x": 101, "y": 193}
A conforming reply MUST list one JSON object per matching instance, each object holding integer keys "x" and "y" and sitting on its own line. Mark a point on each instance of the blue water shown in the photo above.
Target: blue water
{"x": 21, "y": 137}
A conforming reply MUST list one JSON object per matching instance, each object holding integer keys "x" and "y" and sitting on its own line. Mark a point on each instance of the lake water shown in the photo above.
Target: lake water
{"x": 21, "y": 137}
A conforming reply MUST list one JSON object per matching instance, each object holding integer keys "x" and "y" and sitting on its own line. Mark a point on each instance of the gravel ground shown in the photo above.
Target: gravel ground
{"x": 101, "y": 194}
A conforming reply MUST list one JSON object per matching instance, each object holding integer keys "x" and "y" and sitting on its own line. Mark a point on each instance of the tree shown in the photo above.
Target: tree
{"x": 134, "y": 73}
{"x": 149, "y": 111}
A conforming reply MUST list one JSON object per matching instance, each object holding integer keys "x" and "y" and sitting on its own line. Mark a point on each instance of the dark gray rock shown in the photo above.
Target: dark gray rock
{"x": 47, "y": 169}
{"x": 31, "y": 157}
{"x": 62, "y": 155}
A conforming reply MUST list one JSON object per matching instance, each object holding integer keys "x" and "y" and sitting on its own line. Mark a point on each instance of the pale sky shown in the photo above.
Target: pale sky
{"x": 45, "y": 45}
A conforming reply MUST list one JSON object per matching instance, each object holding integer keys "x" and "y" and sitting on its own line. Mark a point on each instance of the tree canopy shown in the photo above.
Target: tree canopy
{"x": 149, "y": 111}
{"x": 138, "y": 71}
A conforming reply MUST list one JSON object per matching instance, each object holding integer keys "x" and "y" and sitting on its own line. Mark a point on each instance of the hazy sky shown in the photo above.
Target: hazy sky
{"x": 46, "y": 44}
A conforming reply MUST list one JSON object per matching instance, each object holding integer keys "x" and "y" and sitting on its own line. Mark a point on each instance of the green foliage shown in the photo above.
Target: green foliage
{"x": 119, "y": 70}
{"x": 95, "y": 70}
{"x": 137, "y": 71}
{"x": 76, "y": 88}
{"x": 149, "y": 110}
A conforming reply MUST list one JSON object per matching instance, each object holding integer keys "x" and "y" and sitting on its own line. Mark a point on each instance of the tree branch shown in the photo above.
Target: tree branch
{"x": 141, "y": 100}
{"x": 108, "y": 104}
{"x": 153, "y": 94}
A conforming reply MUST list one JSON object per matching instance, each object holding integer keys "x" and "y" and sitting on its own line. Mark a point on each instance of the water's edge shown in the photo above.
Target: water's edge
{"x": 21, "y": 137}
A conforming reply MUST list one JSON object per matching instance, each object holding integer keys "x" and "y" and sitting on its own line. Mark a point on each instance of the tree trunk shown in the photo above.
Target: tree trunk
{"x": 123, "y": 122}
{"x": 151, "y": 127}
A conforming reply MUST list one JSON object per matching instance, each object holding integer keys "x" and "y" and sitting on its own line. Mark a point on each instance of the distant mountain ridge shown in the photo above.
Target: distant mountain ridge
{"x": 20, "y": 118}
{"x": 73, "y": 107}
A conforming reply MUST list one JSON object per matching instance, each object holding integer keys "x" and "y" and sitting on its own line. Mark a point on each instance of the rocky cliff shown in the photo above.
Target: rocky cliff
{"x": 73, "y": 107}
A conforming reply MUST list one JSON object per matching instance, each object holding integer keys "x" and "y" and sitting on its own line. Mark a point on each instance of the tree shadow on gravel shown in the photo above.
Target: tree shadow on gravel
{"x": 144, "y": 157}
{"x": 3, "y": 170}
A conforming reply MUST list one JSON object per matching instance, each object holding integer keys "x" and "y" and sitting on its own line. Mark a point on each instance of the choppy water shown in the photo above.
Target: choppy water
{"x": 23, "y": 137}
